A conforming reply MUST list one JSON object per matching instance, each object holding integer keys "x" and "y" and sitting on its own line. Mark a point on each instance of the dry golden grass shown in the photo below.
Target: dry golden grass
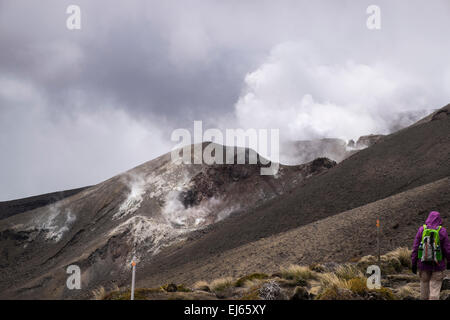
{"x": 201, "y": 285}
{"x": 330, "y": 279}
{"x": 294, "y": 272}
{"x": 402, "y": 254}
{"x": 221, "y": 284}
{"x": 99, "y": 293}
{"x": 254, "y": 276}
{"x": 253, "y": 283}
{"x": 348, "y": 271}
{"x": 345, "y": 277}
{"x": 317, "y": 267}
{"x": 357, "y": 285}
{"x": 115, "y": 287}
{"x": 367, "y": 259}
{"x": 348, "y": 282}
{"x": 407, "y": 291}
{"x": 391, "y": 263}
{"x": 335, "y": 288}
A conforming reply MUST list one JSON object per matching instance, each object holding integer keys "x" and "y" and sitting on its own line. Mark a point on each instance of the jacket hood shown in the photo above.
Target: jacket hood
{"x": 434, "y": 220}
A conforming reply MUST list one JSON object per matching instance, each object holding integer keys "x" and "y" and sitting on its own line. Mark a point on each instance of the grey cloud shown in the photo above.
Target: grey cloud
{"x": 152, "y": 66}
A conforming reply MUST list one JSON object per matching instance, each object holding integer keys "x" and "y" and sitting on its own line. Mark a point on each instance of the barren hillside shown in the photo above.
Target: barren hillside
{"x": 187, "y": 222}
{"x": 400, "y": 162}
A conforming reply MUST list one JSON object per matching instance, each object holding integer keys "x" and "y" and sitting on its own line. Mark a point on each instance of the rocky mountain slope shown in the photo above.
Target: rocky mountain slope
{"x": 338, "y": 238}
{"x": 405, "y": 160}
{"x": 10, "y": 208}
{"x": 132, "y": 215}
{"x": 184, "y": 223}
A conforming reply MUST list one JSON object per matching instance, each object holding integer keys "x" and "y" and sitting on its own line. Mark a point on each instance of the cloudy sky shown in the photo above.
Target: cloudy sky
{"x": 79, "y": 106}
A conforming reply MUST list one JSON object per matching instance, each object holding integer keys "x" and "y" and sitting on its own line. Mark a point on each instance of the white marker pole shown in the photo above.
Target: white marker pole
{"x": 378, "y": 241}
{"x": 132, "y": 279}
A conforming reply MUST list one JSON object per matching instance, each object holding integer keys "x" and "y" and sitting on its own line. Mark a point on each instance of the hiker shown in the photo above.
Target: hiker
{"x": 430, "y": 250}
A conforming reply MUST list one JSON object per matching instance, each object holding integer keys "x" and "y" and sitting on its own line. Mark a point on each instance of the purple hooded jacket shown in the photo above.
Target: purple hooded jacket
{"x": 433, "y": 222}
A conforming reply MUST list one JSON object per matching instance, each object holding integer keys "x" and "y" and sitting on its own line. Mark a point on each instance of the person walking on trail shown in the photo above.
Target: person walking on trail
{"x": 430, "y": 253}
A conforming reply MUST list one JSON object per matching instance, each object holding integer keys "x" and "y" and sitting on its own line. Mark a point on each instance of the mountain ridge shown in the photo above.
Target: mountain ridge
{"x": 170, "y": 216}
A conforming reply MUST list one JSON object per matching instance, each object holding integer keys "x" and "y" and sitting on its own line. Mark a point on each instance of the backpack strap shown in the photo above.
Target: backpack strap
{"x": 438, "y": 240}
{"x": 423, "y": 231}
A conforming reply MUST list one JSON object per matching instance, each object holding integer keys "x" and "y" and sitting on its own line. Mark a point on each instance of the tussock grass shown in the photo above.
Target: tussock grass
{"x": 348, "y": 271}
{"x": 334, "y": 293}
{"x": 296, "y": 272}
{"x": 99, "y": 293}
{"x": 334, "y": 287}
{"x": 252, "y": 288}
{"x": 221, "y": 284}
{"x": 346, "y": 278}
{"x": 406, "y": 291}
{"x": 391, "y": 263}
{"x": 402, "y": 254}
{"x": 341, "y": 276}
{"x": 201, "y": 285}
{"x": 139, "y": 294}
{"x": 252, "y": 294}
{"x": 254, "y": 283}
{"x": 347, "y": 282}
{"x": 385, "y": 294}
{"x": 330, "y": 279}
{"x": 183, "y": 288}
{"x": 175, "y": 287}
{"x": 317, "y": 267}
{"x": 254, "y": 276}
{"x": 367, "y": 259}
{"x": 357, "y": 285}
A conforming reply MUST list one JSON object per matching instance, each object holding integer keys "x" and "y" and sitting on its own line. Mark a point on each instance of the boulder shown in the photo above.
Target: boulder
{"x": 300, "y": 293}
{"x": 446, "y": 284}
{"x": 171, "y": 287}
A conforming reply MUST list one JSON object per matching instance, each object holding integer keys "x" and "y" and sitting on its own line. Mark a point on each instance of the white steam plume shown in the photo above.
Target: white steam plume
{"x": 299, "y": 92}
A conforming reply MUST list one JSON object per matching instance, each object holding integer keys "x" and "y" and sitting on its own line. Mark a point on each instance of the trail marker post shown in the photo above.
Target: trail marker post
{"x": 378, "y": 240}
{"x": 133, "y": 264}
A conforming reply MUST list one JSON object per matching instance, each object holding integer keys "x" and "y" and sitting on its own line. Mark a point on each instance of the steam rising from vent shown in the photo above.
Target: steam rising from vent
{"x": 147, "y": 234}
{"x": 177, "y": 215}
{"x": 55, "y": 224}
{"x": 158, "y": 215}
{"x": 134, "y": 199}
{"x": 299, "y": 92}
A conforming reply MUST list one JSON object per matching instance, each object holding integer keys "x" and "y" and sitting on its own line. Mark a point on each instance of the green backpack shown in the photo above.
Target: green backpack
{"x": 430, "y": 246}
